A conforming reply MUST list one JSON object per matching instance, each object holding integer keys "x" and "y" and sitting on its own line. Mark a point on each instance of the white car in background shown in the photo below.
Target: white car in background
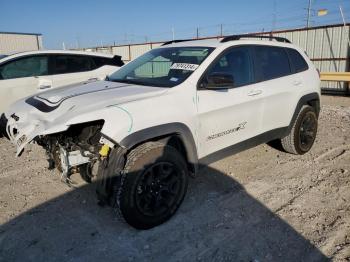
{"x": 26, "y": 73}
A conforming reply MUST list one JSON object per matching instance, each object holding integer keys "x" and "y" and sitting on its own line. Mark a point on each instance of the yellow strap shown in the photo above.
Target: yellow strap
{"x": 104, "y": 150}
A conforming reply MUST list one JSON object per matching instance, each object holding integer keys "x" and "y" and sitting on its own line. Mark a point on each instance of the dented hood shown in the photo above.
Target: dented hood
{"x": 90, "y": 94}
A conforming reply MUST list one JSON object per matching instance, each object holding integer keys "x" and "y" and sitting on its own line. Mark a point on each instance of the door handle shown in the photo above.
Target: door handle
{"x": 44, "y": 83}
{"x": 41, "y": 87}
{"x": 255, "y": 92}
{"x": 297, "y": 83}
{"x": 93, "y": 79}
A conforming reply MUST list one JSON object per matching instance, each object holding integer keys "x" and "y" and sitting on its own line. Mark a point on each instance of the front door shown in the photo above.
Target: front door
{"x": 20, "y": 78}
{"x": 229, "y": 116}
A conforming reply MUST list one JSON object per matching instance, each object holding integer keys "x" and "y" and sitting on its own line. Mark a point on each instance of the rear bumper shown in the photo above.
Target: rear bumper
{"x": 3, "y": 124}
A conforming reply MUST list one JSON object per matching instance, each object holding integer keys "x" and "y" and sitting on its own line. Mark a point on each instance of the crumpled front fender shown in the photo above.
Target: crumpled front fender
{"x": 21, "y": 134}
{"x": 118, "y": 122}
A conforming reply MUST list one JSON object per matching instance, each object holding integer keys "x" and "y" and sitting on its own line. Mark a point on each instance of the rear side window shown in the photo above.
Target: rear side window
{"x": 101, "y": 61}
{"x": 271, "y": 62}
{"x": 65, "y": 64}
{"x": 298, "y": 63}
{"x": 117, "y": 60}
{"x": 25, "y": 67}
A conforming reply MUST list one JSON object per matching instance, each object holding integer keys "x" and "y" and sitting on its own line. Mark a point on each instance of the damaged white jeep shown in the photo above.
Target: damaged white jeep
{"x": 140, "y": 133}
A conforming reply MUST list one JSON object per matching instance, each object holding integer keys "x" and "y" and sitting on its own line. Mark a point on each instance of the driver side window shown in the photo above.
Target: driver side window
{"x": 25, "y": 67}
{"x": 237, "y": 63}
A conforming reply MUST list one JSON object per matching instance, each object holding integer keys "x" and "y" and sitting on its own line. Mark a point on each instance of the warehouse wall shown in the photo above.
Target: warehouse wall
{"x": 327, "y": 46}
{"x": 12, "y": 42}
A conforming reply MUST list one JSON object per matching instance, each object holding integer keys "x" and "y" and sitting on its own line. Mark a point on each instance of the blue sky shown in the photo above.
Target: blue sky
{"x": 87, "y": 23}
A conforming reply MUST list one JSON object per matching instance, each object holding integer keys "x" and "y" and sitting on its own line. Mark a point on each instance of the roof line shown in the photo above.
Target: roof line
{"x": 18, "y": 33}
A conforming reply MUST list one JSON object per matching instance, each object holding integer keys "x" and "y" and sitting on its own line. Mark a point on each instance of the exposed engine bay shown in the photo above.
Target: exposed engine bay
{"x": 75, "y": 150}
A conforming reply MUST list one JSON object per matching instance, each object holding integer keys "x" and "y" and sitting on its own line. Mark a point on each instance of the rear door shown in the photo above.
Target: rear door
{"x": 229, "y": 116}
{"x": 277, "y": 84}
{"x": 21, "y": 77}
{"x": 70, "y": 69}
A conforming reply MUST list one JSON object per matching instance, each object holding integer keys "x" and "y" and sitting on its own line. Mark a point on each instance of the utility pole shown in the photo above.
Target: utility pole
{"x": 342, "y": 15}
{"x": 344, "y": 21}
{"x": 308, "y": 14}
{"x": 274, "y": 15}
{"x": 125, "y": 38}
{"x": 78, "y": 41}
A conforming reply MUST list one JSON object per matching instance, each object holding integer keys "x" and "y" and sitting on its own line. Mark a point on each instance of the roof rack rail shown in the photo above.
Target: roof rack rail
{"x": 238, "y": 37}
{"x": 177, "y": 41}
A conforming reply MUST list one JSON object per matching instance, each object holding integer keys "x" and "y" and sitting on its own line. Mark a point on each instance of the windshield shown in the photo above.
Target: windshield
{"x": 163, "y": 67}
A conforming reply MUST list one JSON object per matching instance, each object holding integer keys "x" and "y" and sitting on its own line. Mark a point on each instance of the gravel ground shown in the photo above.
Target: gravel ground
{"x": 258, "y": 205}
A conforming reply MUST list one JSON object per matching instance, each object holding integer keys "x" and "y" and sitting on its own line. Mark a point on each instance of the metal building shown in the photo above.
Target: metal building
{"x": 327, "y": 46}
{"x": 11, "y": 42}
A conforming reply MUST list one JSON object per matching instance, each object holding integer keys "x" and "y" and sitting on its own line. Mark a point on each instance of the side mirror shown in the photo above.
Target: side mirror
{"x": 219, "y": 81}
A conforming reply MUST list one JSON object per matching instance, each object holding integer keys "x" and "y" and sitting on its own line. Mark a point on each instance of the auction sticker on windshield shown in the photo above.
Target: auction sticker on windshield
{"x": 184, "y": 66}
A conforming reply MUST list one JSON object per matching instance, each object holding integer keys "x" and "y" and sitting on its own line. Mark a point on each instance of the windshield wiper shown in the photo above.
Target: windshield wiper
{"x": 132, "y": 81}
{"x": 127, "y": 81}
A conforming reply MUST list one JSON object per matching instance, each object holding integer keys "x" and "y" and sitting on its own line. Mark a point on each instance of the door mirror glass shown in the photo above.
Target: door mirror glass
{"x": 218, "y": 80}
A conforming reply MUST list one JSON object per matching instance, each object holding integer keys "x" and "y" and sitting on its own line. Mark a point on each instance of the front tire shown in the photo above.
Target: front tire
{"x": 153, "y": 185}
{"x": 303, "y": 133}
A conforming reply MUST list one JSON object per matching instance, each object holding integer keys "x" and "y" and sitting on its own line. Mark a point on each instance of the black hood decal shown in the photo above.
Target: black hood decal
{"x": 36, "y": 101}
{"x": 40, "y": 105}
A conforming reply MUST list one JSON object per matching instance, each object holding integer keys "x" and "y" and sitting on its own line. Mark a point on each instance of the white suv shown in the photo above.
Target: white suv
{"x": 144, "y": 130}
{"x": 26, "y": 73}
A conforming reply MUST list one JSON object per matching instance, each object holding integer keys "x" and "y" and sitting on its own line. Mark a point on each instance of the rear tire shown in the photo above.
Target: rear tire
{"x": 303, "y": 133}
{"x": 152, "y": 186}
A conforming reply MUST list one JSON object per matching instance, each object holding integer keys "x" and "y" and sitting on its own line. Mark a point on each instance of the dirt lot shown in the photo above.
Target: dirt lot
{"x": 258, "y": 205}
